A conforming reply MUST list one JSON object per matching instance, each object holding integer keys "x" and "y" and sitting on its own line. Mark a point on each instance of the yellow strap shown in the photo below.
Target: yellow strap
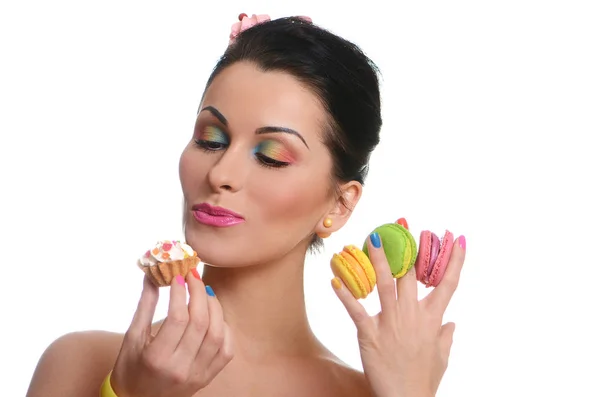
{"x": 106, "y": 389}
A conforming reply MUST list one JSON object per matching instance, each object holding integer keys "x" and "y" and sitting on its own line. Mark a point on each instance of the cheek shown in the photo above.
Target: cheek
{"x": 285, "y": 201}
{"x": 190, "y": 170}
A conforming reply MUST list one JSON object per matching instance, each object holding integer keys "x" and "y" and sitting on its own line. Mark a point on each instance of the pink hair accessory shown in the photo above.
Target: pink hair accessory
{"x": 246, "y": 22}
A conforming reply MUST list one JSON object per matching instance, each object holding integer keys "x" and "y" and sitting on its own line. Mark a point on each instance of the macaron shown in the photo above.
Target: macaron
{"x": 355, "y": 270}
{"x": 433, "y": 257}
{"x": 399, "y": 246}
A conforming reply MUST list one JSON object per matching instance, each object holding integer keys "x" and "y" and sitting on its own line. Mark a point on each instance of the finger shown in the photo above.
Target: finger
{"x": 144, "y": 314}
{"x": 407, "y": 287}
{"x": 357, "y": 312}
{"x": 215, "y": 335}
{"x": 446, "y": 339}
{"x": 440, "y": 297}
{"x": 224, "y": 355}
{"x": 198, "y": 322}
{"x": 386, "y": 288}
{"x": 174, "y": 326}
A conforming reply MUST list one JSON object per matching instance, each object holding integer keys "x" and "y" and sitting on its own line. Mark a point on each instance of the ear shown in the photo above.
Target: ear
{"x": 342, "y": 208}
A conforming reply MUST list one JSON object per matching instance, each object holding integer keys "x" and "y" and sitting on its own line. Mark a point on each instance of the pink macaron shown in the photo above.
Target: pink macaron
{"x": 433, "y": 257}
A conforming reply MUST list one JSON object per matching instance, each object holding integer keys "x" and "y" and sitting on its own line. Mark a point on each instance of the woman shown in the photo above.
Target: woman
{"x": 277, "y": 160}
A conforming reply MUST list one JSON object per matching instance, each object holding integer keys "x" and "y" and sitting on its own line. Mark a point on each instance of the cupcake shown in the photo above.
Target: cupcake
{"x": 167, "y": 259}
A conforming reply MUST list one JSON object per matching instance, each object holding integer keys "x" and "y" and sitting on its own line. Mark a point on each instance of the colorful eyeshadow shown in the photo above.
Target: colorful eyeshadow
{"x": 214, "y": 134}
{"x": 275, "y": 151}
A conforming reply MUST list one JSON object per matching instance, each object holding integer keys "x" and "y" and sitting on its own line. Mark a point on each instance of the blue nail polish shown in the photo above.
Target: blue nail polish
{"x": 210, "y": 291}
{"x": 375, "y": 240}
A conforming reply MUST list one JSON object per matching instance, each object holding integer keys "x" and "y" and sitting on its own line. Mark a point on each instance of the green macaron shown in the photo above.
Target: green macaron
{"x": 399, "y": 246}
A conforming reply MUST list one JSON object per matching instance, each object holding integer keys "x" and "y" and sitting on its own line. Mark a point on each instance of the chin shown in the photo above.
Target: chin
{"x": 230, "y": 248}
{"x": 218, "y": 248}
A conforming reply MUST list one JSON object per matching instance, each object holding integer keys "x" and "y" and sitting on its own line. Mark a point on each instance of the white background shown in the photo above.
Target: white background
{"x": 491, "y": 118}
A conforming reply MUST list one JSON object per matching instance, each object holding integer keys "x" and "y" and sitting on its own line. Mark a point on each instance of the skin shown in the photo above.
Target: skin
{"x": 253, "y": 338}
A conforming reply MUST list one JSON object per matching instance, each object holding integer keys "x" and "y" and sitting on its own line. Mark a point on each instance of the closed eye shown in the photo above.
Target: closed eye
{"x": 210, "y": 146}
{"x": 267, "y": 161}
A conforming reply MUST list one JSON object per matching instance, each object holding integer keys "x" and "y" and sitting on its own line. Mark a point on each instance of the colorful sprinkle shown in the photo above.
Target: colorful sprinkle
{"x": 195, "y": 253}
{"x": 165, "y": 255}
{"x": 147, "y": 254}
{"x": 167, "y": 246}
{"x": 155, "y": 251}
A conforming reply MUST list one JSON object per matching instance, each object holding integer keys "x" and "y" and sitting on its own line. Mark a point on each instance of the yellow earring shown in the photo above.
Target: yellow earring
{"x": 327, "y": 222}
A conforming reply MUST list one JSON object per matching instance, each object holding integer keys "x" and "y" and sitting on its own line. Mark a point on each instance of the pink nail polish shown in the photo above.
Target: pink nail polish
{"x": 180, "y": 280}
{"x": 462, "y": 243}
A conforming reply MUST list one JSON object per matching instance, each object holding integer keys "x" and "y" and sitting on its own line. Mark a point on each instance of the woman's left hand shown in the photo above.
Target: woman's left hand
{"x": 405, "y": 347}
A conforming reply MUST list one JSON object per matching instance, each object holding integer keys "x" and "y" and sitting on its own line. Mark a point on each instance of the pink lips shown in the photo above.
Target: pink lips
{"x": 215, "y": 216}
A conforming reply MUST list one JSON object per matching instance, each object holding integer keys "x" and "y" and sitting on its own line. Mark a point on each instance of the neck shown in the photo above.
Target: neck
{"x": 264, "y": 306}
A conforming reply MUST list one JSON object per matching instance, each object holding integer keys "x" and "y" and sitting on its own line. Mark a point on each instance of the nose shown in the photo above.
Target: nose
{"x": 228, "y": 172}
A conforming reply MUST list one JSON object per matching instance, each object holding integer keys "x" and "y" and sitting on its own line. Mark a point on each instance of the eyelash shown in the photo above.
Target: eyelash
{"x": 264, "y": 161}
{"x": 206, "y": 145}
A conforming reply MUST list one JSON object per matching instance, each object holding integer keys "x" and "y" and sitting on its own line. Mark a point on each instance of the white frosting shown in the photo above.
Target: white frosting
{"x": 166, "y": 251}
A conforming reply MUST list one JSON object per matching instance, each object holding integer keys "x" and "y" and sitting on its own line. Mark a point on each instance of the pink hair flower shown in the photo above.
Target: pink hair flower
{"x": 246, "y": 22}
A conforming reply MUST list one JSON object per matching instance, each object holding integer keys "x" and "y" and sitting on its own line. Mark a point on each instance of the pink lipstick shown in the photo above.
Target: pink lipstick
{"x": 215, "y": 216}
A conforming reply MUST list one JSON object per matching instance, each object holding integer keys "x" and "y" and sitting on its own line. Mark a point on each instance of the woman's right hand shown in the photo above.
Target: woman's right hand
{"x": 192, "y": 346}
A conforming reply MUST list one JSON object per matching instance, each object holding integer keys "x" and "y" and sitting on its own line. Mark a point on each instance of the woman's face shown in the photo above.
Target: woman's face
{"x": 257, "y": 152}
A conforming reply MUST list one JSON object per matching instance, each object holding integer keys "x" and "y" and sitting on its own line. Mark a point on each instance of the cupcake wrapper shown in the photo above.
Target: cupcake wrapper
{"x": 163, "y": 273}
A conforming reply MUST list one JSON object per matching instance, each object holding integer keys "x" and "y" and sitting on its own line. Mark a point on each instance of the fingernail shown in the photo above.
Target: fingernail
{"x": 402, "y": 221}
{"x": 375, "y": 240}
{"x": 210, "y": 291}
{"x": 180, "y": 280}
{"x": 335, "y": 283}
{"x": 462, "y": 242}
{"x": 195, "y": 274}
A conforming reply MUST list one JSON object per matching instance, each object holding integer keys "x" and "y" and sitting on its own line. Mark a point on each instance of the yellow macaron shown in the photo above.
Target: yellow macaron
{"x": 354, "y": 268}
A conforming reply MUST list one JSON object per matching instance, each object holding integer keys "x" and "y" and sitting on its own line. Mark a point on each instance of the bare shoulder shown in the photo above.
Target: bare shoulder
{"x": 355, "y": 384}
{"x": 75, "y": 364}
{"x": 346, "y": 380}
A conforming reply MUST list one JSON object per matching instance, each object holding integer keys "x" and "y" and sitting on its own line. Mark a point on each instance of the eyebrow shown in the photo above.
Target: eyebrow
{"x": 215, "y": 113}
{"x": 261, "y": 130}
{"x": 272, "y": 129}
